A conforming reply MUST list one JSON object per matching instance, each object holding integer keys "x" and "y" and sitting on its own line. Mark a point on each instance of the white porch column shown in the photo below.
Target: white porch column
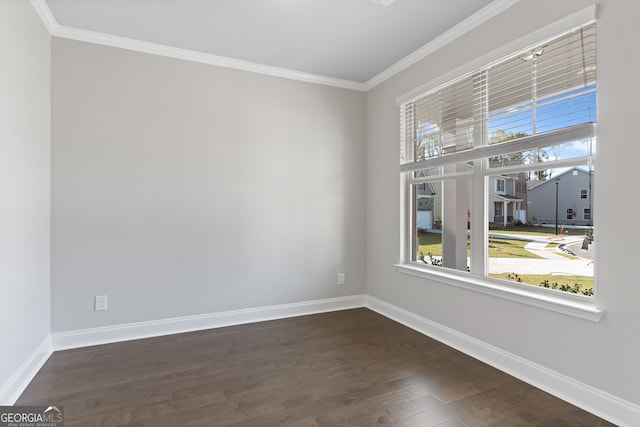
{"x": 504, "y": 213}
{"x": 454, "y": 209}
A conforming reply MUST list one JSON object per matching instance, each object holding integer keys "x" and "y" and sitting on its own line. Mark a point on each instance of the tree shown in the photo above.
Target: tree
{"x": 537, "y": 155}
{"x": 506, "y": 159}
{"x": 428, "y": 142}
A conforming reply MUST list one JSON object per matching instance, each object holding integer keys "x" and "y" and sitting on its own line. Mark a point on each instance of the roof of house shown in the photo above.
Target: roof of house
{"x": 509, "y": 197}
{"x": 537, "y": 183}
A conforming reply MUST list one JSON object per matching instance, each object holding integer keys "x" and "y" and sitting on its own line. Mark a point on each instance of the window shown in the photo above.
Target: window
{"x": 527, "y": 119}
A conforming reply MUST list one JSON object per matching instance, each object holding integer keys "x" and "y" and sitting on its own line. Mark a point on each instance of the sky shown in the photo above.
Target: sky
{"x": 555, "y": 112}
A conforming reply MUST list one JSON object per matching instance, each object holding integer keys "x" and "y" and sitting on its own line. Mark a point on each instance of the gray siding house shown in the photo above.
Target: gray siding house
{"x": 574, "y": 206}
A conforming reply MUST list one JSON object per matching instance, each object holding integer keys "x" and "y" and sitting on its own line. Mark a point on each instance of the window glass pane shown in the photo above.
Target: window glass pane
{"x": 543, "y": 115}
{"x": 562, "y": 151}
{"x": 571, "y": 108}
{"x": 531, "y": 119}
{"x": 442, "y": 219}
{"x": 443, "y": 120}
{"x": 536, "y": 237}
{"x": 428, "y": 222}
{"x": 548, "y": 88}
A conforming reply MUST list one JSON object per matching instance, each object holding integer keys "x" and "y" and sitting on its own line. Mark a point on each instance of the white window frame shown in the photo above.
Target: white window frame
{"x": 565, "y": 303}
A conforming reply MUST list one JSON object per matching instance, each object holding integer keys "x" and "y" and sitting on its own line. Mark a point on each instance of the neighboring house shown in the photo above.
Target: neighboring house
{"x": 426, "y": 196}
{"x": 571, "y": 189}
{"x": 509, "y": 199}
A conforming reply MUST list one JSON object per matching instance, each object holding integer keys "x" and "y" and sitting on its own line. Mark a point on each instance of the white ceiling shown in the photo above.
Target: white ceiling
{"x": 351, "y": 40}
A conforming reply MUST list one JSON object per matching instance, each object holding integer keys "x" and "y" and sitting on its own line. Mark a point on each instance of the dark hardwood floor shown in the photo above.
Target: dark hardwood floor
{"x": 347, "y": 368}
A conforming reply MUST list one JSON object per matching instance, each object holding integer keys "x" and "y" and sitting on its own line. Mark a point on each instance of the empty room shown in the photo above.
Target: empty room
{"x": 319, "y": 212}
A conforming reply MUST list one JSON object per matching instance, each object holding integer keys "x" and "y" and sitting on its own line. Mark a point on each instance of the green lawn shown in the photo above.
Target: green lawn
{"x": 566, "y": 255}
{"x": 581, "y": 283}
{"x": 431, "y": 243}
{"x": 498, "y": 247}
{"x": 538, "y": 231}
{"x": 508, "y": 248}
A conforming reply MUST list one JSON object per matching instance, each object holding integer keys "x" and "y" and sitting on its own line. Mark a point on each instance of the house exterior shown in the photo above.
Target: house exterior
{"x": 573, "y": 191}
{"x": 508, "y": 202}
{"x": 428, "y": 207}
{"x": 509, "y": 199}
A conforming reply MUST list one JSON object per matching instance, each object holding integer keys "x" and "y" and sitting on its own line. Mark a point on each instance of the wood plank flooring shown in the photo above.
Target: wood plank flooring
{"x": 346, "y": 368}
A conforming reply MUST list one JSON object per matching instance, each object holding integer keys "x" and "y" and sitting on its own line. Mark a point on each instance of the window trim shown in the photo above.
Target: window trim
{"x": 571, "y": 304}
{"x": 556, "y": 301}
{"x": 581, "y": 17}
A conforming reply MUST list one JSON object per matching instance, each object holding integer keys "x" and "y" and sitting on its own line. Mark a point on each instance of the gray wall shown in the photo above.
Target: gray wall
{"x": 182, "y": 189}
{"x": 24, "y": 184}
{"x": 605, "y": 354}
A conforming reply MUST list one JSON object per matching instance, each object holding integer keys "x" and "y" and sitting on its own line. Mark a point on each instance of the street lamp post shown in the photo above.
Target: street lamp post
{"x": 557, "y": 182}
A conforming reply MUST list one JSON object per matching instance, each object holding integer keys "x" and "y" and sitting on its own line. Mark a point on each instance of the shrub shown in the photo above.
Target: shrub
{"x": 575, "y": 288}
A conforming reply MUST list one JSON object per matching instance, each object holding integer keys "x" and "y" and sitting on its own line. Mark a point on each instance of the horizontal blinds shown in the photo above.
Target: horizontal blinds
{"x": 544, "y": 88}
{"x": 407, "y": 132}
{"x": 538, "y": 97}
{"x": 556, "y": 137}
{"x": 441, "y": 122}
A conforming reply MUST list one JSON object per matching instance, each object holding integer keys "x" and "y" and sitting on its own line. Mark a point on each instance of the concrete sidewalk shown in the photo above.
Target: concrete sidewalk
{"x": 564, "y": 266}
{"x": 553, "y": 263}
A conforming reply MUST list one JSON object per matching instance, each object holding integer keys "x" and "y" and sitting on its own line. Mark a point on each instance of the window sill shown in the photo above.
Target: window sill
{"x": 571, "y": 305}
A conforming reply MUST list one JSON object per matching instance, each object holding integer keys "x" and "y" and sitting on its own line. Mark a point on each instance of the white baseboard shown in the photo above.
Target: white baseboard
{"x": 15, "y": 385}
{"x": 598, "y": 402}
{"x": 132, "y": 331}
{"x": 591, "y": 399}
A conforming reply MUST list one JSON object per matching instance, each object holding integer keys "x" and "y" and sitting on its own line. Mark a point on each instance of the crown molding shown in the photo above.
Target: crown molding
{"x": 491, "y": 10}
{"x": 43, "y": 11}
{"x": 383, "y": 2}
{"x": 494, "y": 8}
{"x": 104, "y": 39}
{"x": 201, "y": 57}
{"x": 537, "y": 37}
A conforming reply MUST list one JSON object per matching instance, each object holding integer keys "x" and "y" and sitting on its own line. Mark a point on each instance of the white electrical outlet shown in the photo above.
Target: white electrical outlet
{"x": 100, "y": 303}
{"x": 340, "y": 278}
